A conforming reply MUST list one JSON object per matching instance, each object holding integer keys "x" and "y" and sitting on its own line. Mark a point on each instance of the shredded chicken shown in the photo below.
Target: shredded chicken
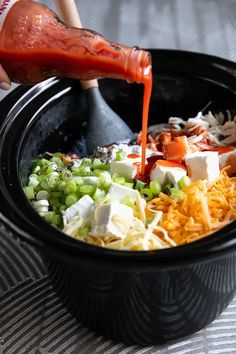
{"x": 204, "y": 132}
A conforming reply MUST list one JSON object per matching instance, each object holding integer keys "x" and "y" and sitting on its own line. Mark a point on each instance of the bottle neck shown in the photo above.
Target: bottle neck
{"x": 5, "y": 6}
{"x": 138, "y": 66}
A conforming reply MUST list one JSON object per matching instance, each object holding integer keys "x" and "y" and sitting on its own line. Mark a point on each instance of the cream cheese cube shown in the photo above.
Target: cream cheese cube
{"x": 167, "y": 174}
{"x": 203, "y": 165}
{"x": 127, "y": 168}
{"x": 119, "y": 192}
{"x": 112, "y": 220}
{"x": 124, "y": 168}
{"x": 82, "y": 209}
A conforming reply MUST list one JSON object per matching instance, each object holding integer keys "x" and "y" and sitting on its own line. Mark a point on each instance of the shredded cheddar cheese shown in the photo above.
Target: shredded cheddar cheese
{"x": 205, "y": 208}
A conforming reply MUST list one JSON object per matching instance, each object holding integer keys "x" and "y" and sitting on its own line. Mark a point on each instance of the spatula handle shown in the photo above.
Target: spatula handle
{"x": 68, "y": 12}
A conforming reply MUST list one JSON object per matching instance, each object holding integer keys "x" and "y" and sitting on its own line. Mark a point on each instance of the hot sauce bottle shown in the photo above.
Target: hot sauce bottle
{"x": 36, "y": 45}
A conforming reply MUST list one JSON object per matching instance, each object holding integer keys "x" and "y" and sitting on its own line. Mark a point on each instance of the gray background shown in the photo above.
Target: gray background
{"x": 198, "y": 25}
{"x": 32, "y": 318}
{"x": 206, "y": 26}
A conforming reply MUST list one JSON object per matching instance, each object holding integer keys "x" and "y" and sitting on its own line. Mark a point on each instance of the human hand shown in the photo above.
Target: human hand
{"x": 5, "y": 82}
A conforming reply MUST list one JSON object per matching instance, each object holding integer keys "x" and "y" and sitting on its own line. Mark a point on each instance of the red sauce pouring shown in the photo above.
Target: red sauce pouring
{"x": 146, "y": 102}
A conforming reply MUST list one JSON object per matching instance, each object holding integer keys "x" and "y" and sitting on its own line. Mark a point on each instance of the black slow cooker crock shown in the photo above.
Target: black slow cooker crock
{"x": 134, "y": 297}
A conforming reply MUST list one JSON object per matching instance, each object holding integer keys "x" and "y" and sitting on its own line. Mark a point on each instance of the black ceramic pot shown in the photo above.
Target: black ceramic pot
{"x": 133, "y": 297}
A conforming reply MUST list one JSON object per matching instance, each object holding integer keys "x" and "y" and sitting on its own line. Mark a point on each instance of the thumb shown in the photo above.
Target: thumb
{"x": 5, "y": 82}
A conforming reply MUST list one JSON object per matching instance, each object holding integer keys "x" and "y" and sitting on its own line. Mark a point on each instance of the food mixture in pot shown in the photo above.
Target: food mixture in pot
{"x": 186, "y": 191}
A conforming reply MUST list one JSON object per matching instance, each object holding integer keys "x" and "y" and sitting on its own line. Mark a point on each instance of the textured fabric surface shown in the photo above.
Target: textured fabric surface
{"x": 32, "y": 319}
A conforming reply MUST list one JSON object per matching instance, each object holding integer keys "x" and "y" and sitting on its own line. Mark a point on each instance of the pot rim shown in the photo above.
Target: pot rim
{"x": 55, "y": 242}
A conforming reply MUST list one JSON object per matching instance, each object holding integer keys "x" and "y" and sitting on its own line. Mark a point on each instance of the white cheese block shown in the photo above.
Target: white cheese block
{"x": 82, "y": 209}
{"x": 203, "y": 165}
{"x": 166, "y": 174}
{"x": 118, "y": 193}
{"x": 112, "y": 220}
{"x": 127, "y": 168}
{"x": 124, "y": 168}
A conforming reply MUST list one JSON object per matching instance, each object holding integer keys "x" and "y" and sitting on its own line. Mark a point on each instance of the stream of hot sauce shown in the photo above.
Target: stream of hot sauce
{"x": 146, "y": 103}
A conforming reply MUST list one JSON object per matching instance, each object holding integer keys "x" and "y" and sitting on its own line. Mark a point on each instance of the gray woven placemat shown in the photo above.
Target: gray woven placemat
{"x": 34, "y": 321}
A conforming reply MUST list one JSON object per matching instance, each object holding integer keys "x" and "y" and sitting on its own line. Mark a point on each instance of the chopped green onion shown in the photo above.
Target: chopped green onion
{"x": 42, "y": 213}
{"x": 78, "y": 193}
{"x": 70, "y": 187}
{"x": 36, "y": 169}
{"x": 33, "y": 175}
{"x": 41, "y": 206}
{"x": 96, "y": 163}
{"x": 98, "y": 195}
{"x": 184, "y": 182}
{"x": 66, "y": 175}
{"x": 87, "y": 189}
{"x": 166, "y": 188}
{"x": 54, "y": 202}
{"x": 52, "y": 179}
{"x": 155, "y": 187}
{"x": 37, "y": 189}
{"x": 39, "y": 203}
{"x": 56, "y": 194}
{"x": 71, "y": 199}
{"x": 61, "y": 185}
{"x": 42, "y": 209}
{"x": 115, "y": 175}
{"x": 79, "y": 180}
{"x": 97, "y": 172}
{"x": 82, "y": 171}
{"x": 147, "y": 194}
{"x": 44, "y": 184}
{"x": 29, "y": 192}
{"x": 63, "y": 207}
{"x": 48, "y": 216}
{"x": 139, "y": 185}
{"x": 86, "y": 161}
{"x": 45, "y": 170}
{"x": 121, "y": 155}
{"x": 43, "y": 162}
{"x": 105, "y": 179}
{"x": 177, "y": 194}
{"x": 57, "y": 160}
{"x": 42, "y": 195}
{"x": 128, "y": 201}
{"x": 129, "y": 185}
{"x": 85, "y": 171}
{"x": 84, "y": 231}
{"x": 129, "y": 180}
{"x": 103, "y": 167}
{"x": 56, "y": 220}
{"x": 119, "y": 180}
{"x": 33, "y": 180}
